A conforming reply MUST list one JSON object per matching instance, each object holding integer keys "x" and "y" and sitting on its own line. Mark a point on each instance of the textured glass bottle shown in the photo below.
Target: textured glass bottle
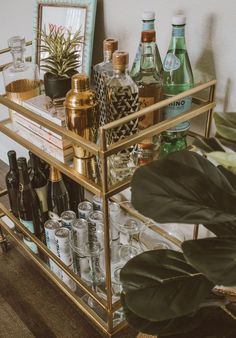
{"x": 122, "y": 100}
{"x": 148, "y": 23}
{"x": 21, "y": 78}
{"x": 102, "y": 72}
{"x": 150, "y": 84}
{"x": 178, "y": 77}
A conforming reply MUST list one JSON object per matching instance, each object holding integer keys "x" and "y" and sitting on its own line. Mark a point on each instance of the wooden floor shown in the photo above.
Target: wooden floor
{"x": 31, "y": 306}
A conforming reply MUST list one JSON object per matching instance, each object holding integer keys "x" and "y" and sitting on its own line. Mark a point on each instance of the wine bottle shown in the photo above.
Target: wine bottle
{"x": 12, "y": 182}
{"x": 40, "y": 185}
{"x": 28, "y": 204}
{"x": 75, "y": 191}
{"x": 58, "y": 197}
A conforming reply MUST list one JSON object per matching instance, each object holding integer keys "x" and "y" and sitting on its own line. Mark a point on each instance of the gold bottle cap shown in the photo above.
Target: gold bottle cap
{"x": 120, "y": 60}
{"x": 80, "y": 82}
{"x": 54, "y": 175}
{"x": 110, "y": 45}
{"x": 148, "y": 36}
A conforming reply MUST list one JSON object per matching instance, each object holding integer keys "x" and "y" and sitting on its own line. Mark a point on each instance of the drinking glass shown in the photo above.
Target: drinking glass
{"x": 129, "y": 227}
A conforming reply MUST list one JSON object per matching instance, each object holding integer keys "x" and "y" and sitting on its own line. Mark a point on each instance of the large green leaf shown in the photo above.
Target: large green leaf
{"x": 172, "y": 326}
{"x": 214, "y": 257}
{"x": 209, "y": 321}
{"x": 228, "y": 160}
{"x": 158, "y": 283}
{"x": 208, "y": 144}
{"x": 226, "y": 125}
{"x": 183, "y": 187}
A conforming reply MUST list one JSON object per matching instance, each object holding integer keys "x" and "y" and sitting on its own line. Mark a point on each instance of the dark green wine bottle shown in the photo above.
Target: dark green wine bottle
{"x": 28, "y": 205}
{"x": 12, "y": 182}
{"x": 58, "y": 197}
{"x": 40, "y": 185}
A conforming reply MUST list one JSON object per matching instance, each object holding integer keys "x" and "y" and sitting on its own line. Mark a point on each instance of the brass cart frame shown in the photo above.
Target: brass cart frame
{"x": 105, "y": 191}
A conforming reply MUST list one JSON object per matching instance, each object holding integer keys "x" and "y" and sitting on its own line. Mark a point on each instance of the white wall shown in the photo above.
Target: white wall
{"x": 210, "y": 34}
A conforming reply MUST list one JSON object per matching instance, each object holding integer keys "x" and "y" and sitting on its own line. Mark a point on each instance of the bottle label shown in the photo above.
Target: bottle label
{"x": 148, "y": 25}
{"x": 28, "y": 224}
{"x": 171, "y": 62}
{"x": 147, "y": 120}
{"x": 42, "y": 196}
{"x": 178, "y": 32}
{"x": 33, "y": 247}
{"x": 176, "y": 108}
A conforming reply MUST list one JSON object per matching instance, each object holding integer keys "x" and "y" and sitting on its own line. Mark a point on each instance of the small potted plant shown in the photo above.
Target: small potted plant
{"x": 61, "y": 58}
{"x": 174, "y": 294}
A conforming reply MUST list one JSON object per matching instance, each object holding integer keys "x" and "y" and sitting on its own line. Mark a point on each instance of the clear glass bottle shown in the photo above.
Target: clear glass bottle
{"x": 21, "y": 78}
{"x": 150, "y": 84}
{"x": 122, "y": 100}
{"x": 148, "y": 23}
{"x": 102, "y": 72}
{"x": 178, "y": 77}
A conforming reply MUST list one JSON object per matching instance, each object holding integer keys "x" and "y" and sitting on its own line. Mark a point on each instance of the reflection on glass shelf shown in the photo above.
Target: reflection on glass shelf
{"x": 154, "y": 241}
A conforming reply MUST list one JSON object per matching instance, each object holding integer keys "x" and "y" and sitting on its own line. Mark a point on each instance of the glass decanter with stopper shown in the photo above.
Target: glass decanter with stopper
{"x": 178, "y": 77}
{"x": 122, "y": 100}
{"x": 21, "y": 78}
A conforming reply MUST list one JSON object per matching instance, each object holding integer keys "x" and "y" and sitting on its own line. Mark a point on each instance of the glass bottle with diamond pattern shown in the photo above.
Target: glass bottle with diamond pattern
{"x": 102, "y": 72}
{"x": 122, "y": 100}
{"x": 178, "y": 77}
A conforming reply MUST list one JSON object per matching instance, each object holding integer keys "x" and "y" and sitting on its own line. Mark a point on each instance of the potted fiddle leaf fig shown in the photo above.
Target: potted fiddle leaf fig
{"x": 61, "y": 58}
{"x": 173, "y": 294}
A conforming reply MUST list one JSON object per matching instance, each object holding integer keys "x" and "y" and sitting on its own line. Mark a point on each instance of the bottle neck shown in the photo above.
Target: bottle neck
{"x": 123, "y": 71}
{"x": 55, "y": 175}
{"x": 13, "y": 163}
{"x": 24, "y": 180}
{"x": 107, "y": 56}
{"x": 148, "y": 57}
{"x": 34, "y": 163}
{"x": 148, "y": 24}
{"x": 18, "y": 58}
{"x": 178, "y": 37}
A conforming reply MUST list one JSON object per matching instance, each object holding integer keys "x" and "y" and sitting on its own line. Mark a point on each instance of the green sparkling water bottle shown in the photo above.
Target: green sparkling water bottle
{"x": 178, "y": 77}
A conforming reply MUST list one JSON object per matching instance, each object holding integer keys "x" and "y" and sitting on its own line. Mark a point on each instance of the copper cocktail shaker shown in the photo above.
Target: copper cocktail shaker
{"x": 82, "y": 118}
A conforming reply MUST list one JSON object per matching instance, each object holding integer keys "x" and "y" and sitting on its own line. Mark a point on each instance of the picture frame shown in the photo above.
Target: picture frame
{"x": 70, "y": 14}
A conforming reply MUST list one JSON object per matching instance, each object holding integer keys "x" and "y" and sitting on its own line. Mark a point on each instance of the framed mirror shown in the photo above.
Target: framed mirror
{"x": 71, "y": 15}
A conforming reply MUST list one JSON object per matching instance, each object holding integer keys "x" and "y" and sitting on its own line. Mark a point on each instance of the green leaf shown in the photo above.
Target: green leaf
{"x": 208, "y": 144}
{"x": 214, "y": 257}
{"x": 156, "y": 283}
{"x": 226, "y": 125}
{"x": 172, "y": 326}
{"x": 228, "y": 160}
{"x": 204, "y": 323}
{"x": 183, "y": 187}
